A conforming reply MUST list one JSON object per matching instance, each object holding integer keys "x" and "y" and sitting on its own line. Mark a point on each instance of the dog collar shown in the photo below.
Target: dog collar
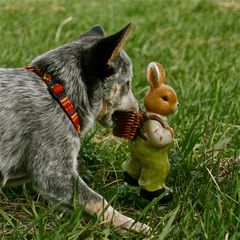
{"x": 58, "y": 93}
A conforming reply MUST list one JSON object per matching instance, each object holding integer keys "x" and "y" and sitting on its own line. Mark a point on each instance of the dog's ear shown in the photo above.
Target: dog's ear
{"x": 108, "y": 48}
{"x": 96, "y": 30}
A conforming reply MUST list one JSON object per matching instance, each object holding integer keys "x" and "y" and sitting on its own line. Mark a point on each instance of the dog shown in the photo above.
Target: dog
{"x": 39, "y": 143}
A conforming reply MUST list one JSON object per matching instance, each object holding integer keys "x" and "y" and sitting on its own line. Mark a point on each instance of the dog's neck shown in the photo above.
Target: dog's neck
{"x": 67, "y": 72}
{"x": 77, "y": 92}
{"x": 58, "y": 93}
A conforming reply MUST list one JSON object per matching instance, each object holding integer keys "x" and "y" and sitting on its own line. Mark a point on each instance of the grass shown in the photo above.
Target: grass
{"x": 198, "y": 44}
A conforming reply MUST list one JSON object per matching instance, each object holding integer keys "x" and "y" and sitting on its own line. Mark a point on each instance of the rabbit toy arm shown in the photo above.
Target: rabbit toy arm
{"x": 156, "y": 134}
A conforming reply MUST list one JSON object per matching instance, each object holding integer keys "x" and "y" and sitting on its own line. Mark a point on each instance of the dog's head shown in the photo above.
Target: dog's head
{"x": 108, "y": 63}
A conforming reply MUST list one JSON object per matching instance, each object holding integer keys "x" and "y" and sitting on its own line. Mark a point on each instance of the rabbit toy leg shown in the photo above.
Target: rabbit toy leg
{"x": 131, "y": 167}
{"x": 153, "y": 175}
{"x": 150, "y": 167}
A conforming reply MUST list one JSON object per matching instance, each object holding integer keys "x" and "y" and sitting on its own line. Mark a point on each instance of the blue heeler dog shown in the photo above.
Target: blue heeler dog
{"x": 38, "y": 142}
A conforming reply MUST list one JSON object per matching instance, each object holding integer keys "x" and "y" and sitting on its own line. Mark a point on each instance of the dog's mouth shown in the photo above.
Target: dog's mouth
{"x": 115, "y": 117}
{"x": 109, "y": 120}
{"x": 108, "y": 117}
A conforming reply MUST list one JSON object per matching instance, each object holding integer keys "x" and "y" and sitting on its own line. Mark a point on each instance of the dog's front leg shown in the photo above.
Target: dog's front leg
{"x": 60, "y": 183}
{"x": 96, "y": 204}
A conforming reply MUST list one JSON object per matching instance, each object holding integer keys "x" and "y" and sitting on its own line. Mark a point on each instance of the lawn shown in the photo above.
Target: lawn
{"x": 198, "y": 43}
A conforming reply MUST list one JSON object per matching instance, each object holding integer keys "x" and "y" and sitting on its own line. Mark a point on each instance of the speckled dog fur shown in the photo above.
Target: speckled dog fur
{"x": 37, "y": 140}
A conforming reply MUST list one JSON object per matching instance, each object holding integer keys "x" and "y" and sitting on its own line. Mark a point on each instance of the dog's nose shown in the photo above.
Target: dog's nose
{"x": 178, "y": 104}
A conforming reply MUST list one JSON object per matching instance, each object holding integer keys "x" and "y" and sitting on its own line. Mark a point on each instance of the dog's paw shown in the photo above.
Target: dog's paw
{"x": 124, "y": 224}
{"x": 133, "y": 226}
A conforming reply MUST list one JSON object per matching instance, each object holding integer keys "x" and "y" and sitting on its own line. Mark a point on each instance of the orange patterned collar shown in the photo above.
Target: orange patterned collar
{"x": 58, "y": 93}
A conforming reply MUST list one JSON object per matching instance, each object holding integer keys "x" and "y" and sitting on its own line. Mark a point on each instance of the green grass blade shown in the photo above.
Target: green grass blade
{"x": 6, "y": 217}
{"x": 167, "y": 228}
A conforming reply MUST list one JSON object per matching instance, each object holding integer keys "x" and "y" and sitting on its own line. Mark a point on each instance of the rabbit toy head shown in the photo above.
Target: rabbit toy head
{"x": 160, "y": 98}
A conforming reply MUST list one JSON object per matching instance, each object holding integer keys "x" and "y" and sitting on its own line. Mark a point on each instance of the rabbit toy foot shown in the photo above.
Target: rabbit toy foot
{"x": 130, "y": 180}
{"x": 151, "y": 195}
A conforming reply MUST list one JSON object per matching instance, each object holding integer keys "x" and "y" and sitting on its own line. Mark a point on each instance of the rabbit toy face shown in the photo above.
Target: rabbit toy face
{"x": 160, "y": 98}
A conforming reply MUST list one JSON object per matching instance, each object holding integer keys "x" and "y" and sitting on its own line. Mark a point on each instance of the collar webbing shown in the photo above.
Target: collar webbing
{"x": 58, "y": 93}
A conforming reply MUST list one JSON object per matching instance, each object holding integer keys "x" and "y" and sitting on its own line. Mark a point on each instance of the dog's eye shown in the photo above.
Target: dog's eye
{"x": 109, "y": 71}
{"x": 165, "y": 98}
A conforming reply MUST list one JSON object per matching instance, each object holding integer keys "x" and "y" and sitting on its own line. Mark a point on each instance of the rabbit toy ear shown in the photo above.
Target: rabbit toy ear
{"x": 155, "y": 74}
{"x": 161, "y": 73}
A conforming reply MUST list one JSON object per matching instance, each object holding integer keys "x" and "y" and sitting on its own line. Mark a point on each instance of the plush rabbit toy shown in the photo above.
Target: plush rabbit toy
{"x": 148, "y": 165}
